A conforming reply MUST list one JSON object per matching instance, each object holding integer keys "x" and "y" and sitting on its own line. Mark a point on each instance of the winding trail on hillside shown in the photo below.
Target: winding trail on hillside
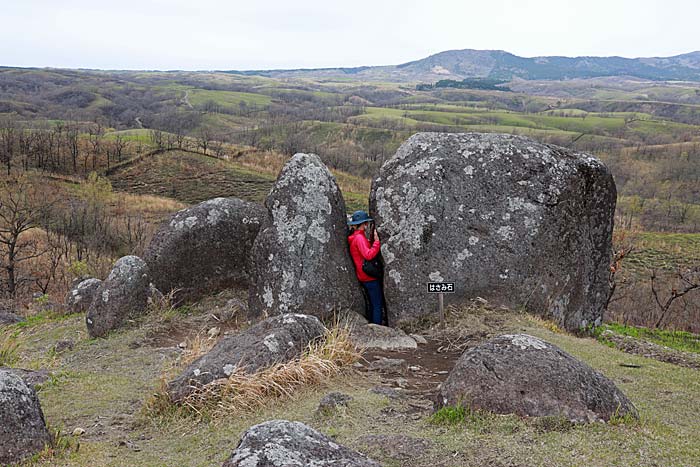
{"x": 186, "y": 100}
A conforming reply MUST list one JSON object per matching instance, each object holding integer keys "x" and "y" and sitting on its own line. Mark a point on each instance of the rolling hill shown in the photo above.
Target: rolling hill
{"x": 498, "y": 64}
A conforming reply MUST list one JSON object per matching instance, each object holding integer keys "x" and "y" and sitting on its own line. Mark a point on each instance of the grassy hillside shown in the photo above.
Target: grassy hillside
{"x": 191, "y": 178}
{"x": 101, "y": 386}
{"x": 634, "y": 125}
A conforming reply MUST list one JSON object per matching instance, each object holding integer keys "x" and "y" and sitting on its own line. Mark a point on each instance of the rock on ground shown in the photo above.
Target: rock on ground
{"x": 275, "y": 340}
{"x": 23, "y": 430}
{"x": 123, "y": 295}
{"x": 7, "y": 317}
{"x": 397, "y": 366}
{"x": 204, "y": 248}
{"x": 301, "y": 261}
{"x": 524, "y": 375}
{"x": 332, "y": 402}
{"x": 374, "y": 336}
{"x": 79, "y": 298}
{"x": 283, "y": 443}
{"x": 506, "y": 218}
{"x": 31, "y": 378}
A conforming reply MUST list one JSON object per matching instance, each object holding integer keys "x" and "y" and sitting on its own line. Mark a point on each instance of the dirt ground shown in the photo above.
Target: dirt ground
{"x": 101, "y": 386}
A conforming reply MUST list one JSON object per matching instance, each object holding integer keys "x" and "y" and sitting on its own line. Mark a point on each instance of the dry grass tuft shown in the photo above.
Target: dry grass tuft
{"x": 196, "y": 346}
{"x": 8, "y": 350}
{"x": 323, "y": 359}
{"x": 547, "y": 324}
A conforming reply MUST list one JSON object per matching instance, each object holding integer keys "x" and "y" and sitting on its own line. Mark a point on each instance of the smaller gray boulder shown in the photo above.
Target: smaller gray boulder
{"x": 396, "y": 366}
{"x": 277, "y": 339}
{"x": 23, "y": 430}
{"x": 205, "y": 248}
{"x": 32, "y": 378}
{"x": 523, "y": 375}
{"x": 8, "y": 313}
{"x": 123, "y": 295}
{"x": 374, "y": 336}
{"x": 284, "y": 443}
{"x": 7, "y": 317}
{"x": 333, "y": 402}
{"x": 79, "y": 298}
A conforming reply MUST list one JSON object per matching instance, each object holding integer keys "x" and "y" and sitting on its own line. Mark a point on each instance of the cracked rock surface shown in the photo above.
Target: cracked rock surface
{"x": 281, "y": 443}
{"x": 526, "y": 376}
{"x": 301, "y": 261}
{"x": 508, "y": 219}
{"x": 205, "y": 248}
{"x": 275, "y": 340}
{"x": 123, "y": 295}
{"x": 79, "y": 298}
{"x": 23, "y": 430}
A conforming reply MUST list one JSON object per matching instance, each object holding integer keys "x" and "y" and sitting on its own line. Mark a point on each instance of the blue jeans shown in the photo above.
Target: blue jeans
{"x": 374, "y": 290}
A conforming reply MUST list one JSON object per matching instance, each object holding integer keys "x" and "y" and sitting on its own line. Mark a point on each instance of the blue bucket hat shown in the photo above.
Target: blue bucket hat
{"x": 359, "y": 217}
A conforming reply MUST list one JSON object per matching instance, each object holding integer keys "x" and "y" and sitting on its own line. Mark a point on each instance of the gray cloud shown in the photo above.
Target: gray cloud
{"x": 208, "y": 34}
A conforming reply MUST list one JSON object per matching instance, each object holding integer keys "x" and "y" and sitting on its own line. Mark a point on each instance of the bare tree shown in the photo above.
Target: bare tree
{"x": 687, "y": 281}
{"x": 73, "y": 143}
{"x": 157, "y": 138}
{"x": 8, "y": 143}
{"x": 119, "y": 146}
{"x": 204, "y": 139}
{"x": 22, "y": 208}
{"x": 95, "y": 132}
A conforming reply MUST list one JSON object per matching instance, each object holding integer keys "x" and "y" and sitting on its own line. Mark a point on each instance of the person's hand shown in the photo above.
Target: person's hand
{"x": 376, "y": 236}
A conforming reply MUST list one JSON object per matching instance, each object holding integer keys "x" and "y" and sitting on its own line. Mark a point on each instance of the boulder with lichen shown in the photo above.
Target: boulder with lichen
{"x": 520, "y": 223}
{"x": 300, "y": 260}
{"x": 204, "y": 248}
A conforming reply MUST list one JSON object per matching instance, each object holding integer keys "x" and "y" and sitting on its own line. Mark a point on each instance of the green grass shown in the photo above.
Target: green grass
{"x": 8, "y": 349}
{"x": 666, "y": 251}
{"x": 191, "y": 178}
{"x": 104, "y": 382}
{"x": 227, "y": 98}
{"x": 139, "y": 135}
{"x": 678, "y": 340}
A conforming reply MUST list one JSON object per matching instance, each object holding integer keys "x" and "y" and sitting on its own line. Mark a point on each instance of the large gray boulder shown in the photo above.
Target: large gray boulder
{"x": 301, "y": 260}
{"x": 524, "y": 375}
{"x": 123, "y": 295}
{"x": 277, "y": 339}
{"x": 79, "y": 298}
{"x": 8, "y": 313}
{"x": 517, "y": 222}
{"x": 23, "y": 430}
{"x": 204, "y": 248}
{"x": 283, "y": 443}
{"x": 7, "y": 317}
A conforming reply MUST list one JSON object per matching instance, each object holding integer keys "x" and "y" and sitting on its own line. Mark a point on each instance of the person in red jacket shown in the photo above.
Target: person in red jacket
{"x": 361, "y": 250}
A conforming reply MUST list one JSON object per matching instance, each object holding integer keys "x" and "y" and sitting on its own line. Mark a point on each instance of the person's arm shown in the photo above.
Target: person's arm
{"x": 364, "y": 248}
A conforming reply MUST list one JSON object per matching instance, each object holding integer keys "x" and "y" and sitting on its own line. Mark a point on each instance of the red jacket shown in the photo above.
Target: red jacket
{"x": 360, "y": 250}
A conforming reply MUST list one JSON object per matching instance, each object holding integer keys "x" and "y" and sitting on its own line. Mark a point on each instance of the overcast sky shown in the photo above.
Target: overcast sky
{"x": 263, "y": 34}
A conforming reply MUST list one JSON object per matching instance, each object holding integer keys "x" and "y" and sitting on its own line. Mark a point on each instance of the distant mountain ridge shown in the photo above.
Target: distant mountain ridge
{"x": 498, "y": 64}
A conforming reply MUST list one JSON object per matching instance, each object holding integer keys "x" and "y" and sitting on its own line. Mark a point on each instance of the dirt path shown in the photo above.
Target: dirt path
{"x": 651, "y": 350}
{"x": 186, "y": 100}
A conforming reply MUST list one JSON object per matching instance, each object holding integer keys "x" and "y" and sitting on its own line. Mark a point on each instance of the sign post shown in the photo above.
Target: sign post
{"x": 441, "y": 288}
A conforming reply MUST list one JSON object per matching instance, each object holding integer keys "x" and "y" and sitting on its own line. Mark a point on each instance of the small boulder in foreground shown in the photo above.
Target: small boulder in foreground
{"x": 283, "y": 443}
{"x": 275, "y": 340}
{"x": 123, "y": 295}
{"x": 23, "y": 430}
{"x": 523, "y": 375}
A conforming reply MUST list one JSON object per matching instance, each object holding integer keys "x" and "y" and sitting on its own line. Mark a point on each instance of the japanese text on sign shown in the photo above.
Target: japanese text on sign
{"x": 441, "y": 287}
